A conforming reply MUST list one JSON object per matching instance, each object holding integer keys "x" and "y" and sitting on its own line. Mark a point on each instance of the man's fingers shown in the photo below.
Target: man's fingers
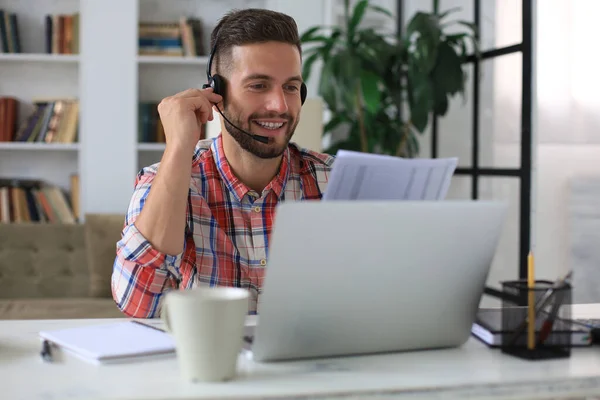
{"x": 208, "y": 93}
{"x": 199, "y": 103}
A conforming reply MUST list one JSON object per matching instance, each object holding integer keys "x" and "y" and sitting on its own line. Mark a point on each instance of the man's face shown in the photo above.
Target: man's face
{"x": 263, "y": 96}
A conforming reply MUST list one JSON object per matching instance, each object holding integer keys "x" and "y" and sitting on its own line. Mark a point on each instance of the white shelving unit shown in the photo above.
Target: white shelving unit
{"x": 33, "y": 75}
{"x": 24, "y": 146}
{"x": 39, "y": 58}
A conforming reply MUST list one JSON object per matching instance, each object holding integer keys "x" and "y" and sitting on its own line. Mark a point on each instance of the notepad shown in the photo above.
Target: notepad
{"x": 112, "y": 342}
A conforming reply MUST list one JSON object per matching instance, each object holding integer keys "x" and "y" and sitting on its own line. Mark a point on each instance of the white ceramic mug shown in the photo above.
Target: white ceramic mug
{"x": 207, "y": 325}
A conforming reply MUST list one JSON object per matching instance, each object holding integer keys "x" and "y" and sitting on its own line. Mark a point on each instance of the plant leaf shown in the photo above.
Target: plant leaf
{"x": 421, "y": 100}
{"x": 381, "y": 10}
{"x": 449, "y": 11}
{"x": 335, "y": 121}
{"x": 307, "y": 66}
{"x": 306, "y": 35}
{"x": 448, "y": 74}
{"x": 317, "y": 39}
{"x": 425, "y": 34}
{"x": 357, "y": 16}
{"x": 327, "y": 87}
{"x": 474, "y": 28}
{"x": 456, "y": 37}
{"x": 370, "y": 90}
{"x": 440, "y": 106}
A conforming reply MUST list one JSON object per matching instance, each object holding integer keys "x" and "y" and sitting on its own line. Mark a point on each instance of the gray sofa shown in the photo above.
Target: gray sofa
{"x": 56, "y": 271}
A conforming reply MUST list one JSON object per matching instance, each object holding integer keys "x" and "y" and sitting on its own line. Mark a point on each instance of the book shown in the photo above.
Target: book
{"x": 112, "y": 342}
{"x": 488, "y": 329}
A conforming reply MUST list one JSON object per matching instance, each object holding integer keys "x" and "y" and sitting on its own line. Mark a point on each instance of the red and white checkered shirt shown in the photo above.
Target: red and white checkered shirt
{"x": 227, "y": 231}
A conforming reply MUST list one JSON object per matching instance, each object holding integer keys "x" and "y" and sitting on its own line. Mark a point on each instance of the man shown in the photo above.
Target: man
{"x": 203, "y": 215}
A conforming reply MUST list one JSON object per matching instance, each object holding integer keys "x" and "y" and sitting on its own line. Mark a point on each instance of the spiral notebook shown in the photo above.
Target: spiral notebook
{"x": 112, "y": 342}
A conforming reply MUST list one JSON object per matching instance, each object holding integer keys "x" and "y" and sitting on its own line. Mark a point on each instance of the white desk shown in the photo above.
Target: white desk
{"x": 470, "y": 371}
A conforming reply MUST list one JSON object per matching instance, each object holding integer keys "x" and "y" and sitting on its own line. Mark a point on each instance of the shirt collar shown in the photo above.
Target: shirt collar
{"x": 237, "y": 187}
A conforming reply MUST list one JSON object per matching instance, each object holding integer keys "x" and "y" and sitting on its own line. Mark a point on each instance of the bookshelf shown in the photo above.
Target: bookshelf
{"x": 109, "y": 78}
{"x": 32, "y": 74}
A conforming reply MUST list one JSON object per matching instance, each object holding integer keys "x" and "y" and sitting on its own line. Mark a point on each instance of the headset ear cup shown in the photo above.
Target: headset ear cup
{"x": 218, "y": 85}
{"x": 303, "y": 91}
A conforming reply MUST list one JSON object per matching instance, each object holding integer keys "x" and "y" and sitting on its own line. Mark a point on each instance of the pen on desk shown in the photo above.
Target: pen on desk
{"x": 46, "y": 352}
{"x": 530, "y": 302}
{"x": 148, "y": 326}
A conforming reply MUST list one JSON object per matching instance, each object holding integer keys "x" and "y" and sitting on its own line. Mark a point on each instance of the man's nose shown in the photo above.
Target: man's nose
{"x": 277, "y": 101}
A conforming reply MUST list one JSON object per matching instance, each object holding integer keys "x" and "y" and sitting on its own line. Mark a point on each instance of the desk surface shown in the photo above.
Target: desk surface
{"x": 470, "y": 371}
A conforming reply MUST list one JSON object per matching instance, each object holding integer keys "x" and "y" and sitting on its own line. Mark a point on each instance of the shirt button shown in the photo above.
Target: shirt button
{"x": 263, "y": 262}
{"x": 257, "y": 209}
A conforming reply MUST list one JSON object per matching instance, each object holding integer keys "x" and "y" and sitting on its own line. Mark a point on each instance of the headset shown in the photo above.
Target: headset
{"x": 217, "y": 83}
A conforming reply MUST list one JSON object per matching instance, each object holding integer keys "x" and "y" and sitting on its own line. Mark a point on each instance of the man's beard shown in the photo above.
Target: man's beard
{"x": 253, "y": 146}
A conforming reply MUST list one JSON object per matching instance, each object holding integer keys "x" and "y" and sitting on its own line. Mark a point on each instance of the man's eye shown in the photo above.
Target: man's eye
{"x": 293, "y": 88}
{"x": 258, "y": 86}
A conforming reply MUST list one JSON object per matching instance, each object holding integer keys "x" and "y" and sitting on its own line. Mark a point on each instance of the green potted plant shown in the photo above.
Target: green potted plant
{"x": 368, "y": 77}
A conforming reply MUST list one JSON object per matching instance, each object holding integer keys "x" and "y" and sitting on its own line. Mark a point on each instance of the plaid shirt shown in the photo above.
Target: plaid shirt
{"x": 227, "y": 231}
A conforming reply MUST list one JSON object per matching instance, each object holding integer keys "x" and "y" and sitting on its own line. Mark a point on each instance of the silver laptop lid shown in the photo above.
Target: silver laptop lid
{"x": 365, "y": 277}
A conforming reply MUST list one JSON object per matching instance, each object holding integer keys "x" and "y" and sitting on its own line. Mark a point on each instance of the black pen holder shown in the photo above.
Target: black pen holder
{"x": 552, "y": 333}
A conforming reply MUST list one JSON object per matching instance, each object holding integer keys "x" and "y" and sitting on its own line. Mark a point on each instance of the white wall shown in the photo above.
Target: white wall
{"x": 558, "y": 164}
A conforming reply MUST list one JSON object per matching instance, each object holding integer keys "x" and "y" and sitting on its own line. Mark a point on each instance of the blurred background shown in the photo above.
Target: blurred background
{"x": 80, "y": 80}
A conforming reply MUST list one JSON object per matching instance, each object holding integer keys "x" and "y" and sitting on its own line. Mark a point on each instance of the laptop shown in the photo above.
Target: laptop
{"x": 351, "y": 277}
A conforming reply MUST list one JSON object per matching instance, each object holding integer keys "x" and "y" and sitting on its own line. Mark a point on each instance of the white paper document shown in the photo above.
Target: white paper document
{"x": 363, "y": 176}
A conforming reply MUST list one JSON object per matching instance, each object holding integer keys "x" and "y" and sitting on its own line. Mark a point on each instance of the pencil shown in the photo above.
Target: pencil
{"x": 531, "y": 302}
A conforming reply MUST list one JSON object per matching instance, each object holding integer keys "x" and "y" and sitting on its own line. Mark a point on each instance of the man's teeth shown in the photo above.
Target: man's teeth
{"x": 270, "y": 125}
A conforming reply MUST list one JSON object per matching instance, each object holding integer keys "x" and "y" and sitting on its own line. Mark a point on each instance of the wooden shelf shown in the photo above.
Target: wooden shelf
{"x": 151, "y": 146}
{"x": 42, "y": 58}
{"x": 39, "y": 146}
{"x": 203, "y": 60}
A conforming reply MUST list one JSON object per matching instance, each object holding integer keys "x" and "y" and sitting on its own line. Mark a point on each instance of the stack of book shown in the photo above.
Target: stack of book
{"x": 183, "y": 38}
{"x": 34, "y": 201}
{"x": 52, "y": 121}
{"x": 62, "y": 33}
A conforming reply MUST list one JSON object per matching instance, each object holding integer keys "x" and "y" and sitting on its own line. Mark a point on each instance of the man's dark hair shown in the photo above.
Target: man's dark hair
{"x": 250, "y": 26}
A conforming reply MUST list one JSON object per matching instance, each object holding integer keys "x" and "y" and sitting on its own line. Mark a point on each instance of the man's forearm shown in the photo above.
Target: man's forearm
{"x": 163, "y": 217}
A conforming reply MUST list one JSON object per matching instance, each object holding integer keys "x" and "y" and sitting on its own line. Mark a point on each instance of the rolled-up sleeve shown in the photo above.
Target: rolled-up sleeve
{"x": 142, "y": 274}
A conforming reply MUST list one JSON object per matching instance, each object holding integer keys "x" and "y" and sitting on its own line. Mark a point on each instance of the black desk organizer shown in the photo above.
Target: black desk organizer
{"x": 514, "y": 296}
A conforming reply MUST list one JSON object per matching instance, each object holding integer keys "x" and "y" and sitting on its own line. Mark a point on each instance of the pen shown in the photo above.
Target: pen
{"x": 46, "y": 352}
{"x": 547, "y": 325}
{"x": 148, "y": 326}
{"x": 530, "y": 303}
